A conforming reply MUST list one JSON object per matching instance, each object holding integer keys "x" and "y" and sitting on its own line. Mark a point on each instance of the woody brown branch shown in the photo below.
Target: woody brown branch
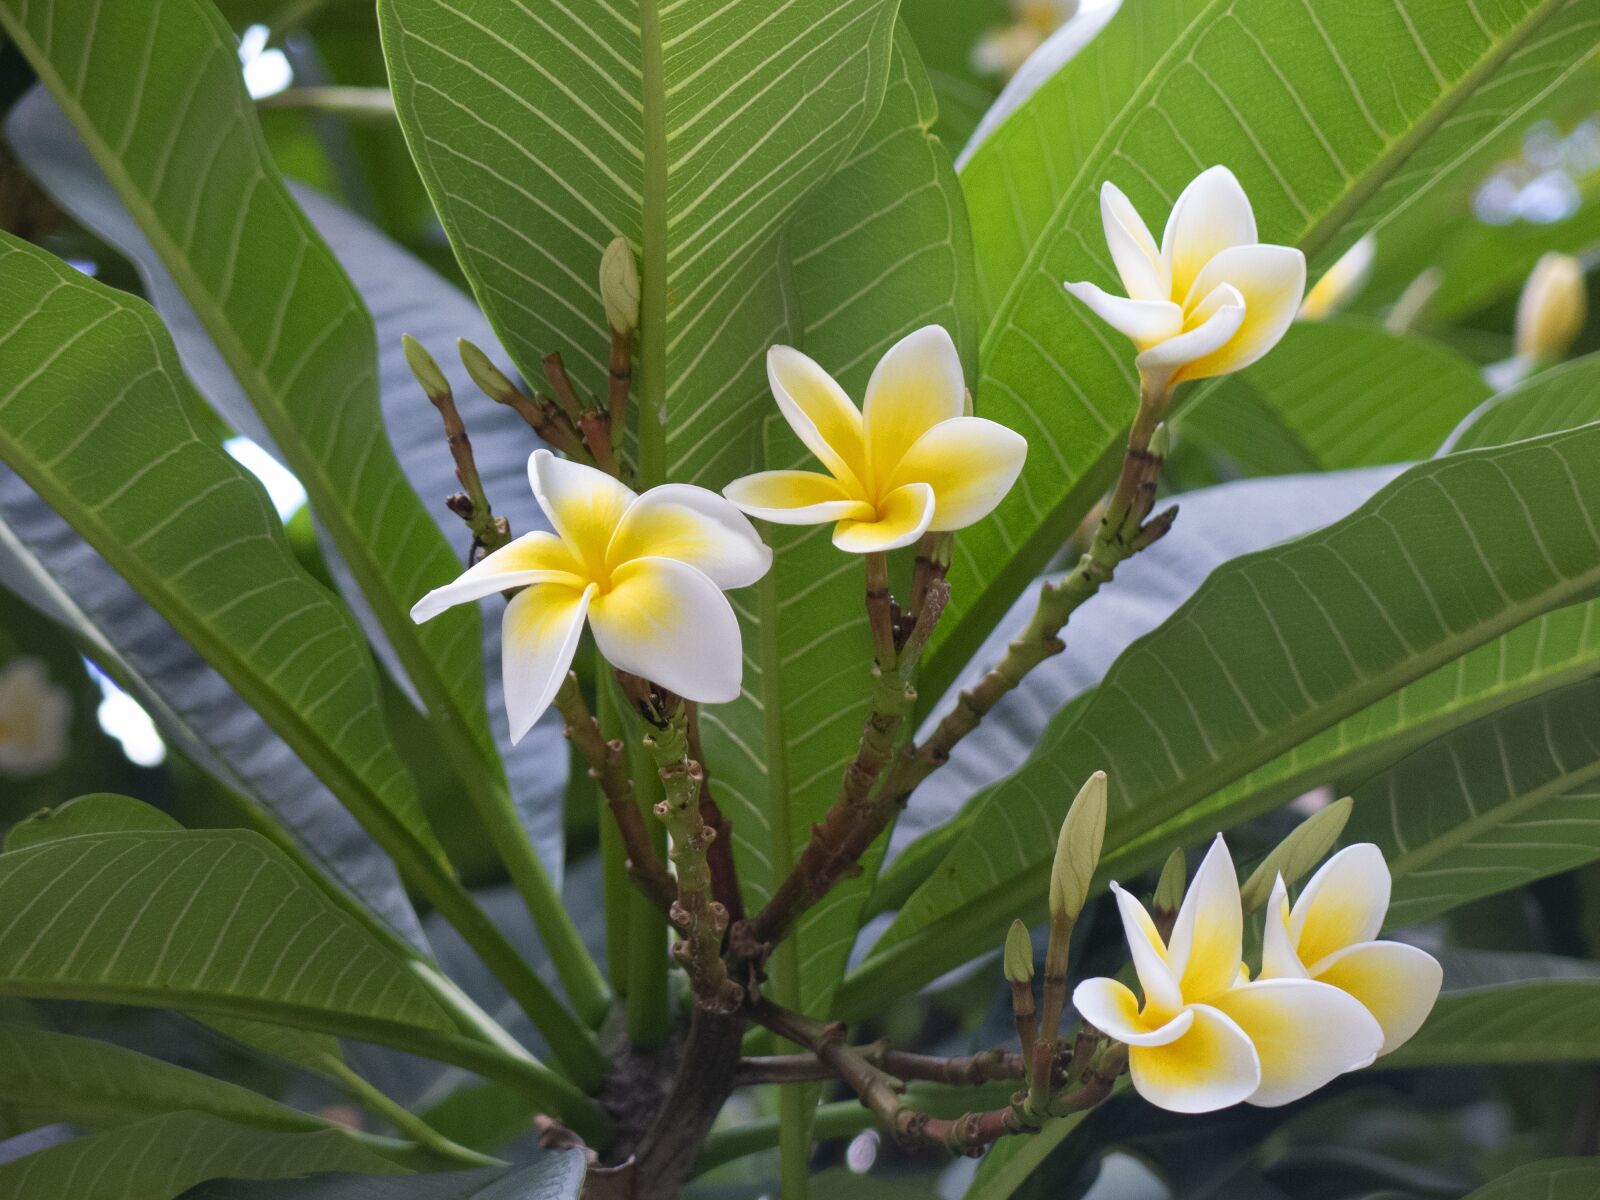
{"x": 970, "y": 1070}
{"x": 719, "y": 855}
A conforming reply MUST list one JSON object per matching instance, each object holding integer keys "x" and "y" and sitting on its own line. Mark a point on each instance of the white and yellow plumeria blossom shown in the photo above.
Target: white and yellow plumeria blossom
{"x": 1342, "y": 282}
{"x": 1210, "y": 299}
{"x": 911, "y": 460}
{"x": 1328, "y": 936}
{"x": 1205, "y": 1037}
{"x": 647, "y": 572}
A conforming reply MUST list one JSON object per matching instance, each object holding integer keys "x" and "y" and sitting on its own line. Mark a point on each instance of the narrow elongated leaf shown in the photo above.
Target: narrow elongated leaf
{"x": 556, "y": 1175}
{"x": 1319, "y": 112}
{"x": 883, "y": 249}
{"x": 1506, "y": 800}
{"x": 1562, "y": 397}
{"x": 1553, "y": 1179}
{"x": 158, "y": 1158}
{"x": 95, "y": 418}
{"x": 1275, "y": 647}
{"x": 1530, "y": 1021}
{"x": 194, "y": 707}
{"x": 404, "y": 296}
{"x": 155, "y": 91}
{"x": 1351, "y": 393}
{"x": 694, "y": 129}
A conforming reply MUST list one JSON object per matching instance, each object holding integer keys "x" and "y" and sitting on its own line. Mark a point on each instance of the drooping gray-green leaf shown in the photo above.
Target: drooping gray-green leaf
{"x": 403, "y": 295}
{"x": 1562, "y": 397}
{"x": 1552, "y": 1179}
{"x": 1350, "y": 393}
{"x": 158, "y": 1158}
{"x": 1275, "y": 647}
{"x": 556, "y": 1175}
{"x": 155, "y": 92}
{"x": 1317, "y": 111}
{"x": 95, "y": 418}
{"x": 1504, "y": 801}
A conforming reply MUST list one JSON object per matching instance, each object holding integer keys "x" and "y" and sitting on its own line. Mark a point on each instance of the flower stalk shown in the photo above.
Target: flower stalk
{"x": 542, "y": 416}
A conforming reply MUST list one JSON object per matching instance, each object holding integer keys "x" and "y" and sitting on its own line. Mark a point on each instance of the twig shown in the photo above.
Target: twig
{"x": 546, "y": 420}
{"x": 610, "y": 771}
{"x": 969, "y": 1070}
{"x": 724, "y": 871}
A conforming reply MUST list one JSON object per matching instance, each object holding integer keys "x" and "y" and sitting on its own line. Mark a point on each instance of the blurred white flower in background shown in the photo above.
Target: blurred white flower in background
{"x": 1002, "y": 50}
{"x": 35, "y": 716}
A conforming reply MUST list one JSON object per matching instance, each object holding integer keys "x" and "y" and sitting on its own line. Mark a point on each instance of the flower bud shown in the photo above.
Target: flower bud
{"x": 1169, "y": 888}
{"x": 1019, "y": 954}
{"x": 1078, "y": 850}
{"x": 619, "y": 286}
{"x": 1297, "y": 853}
{"x": 425, "y": 369}
{"x": 490, "y": 378}
{"x": 1161, "y": 441}
{"x": 1341, "y": 282}
{"x": 1552, "y": 309}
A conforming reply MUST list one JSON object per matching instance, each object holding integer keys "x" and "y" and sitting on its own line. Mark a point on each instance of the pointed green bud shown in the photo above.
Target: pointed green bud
{"x": 1019, "y": 954}
{"x": 1169, "y": 888}
{"x": 619, "y": 286}
{"x": 1078, "y": 850}
{"x": 490, "y": 378}
{"x": 425, "y": 369}
{"x": 1161, "y": 441}
{"x": 1294, "y": 857}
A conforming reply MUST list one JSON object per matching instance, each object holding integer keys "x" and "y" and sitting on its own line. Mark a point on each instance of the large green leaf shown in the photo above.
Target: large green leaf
{"x": 1561, "y": 398}
{"x": 155, "y": 91}
{"x": 1552, "y": 1179}
{"x": 696, "y": 129}
{"x": 1350, "y": 393}
{"x": 95, "y": 417}
{"x": 554, "y": 1175}
{"x": 1318, "y": 111}
{"x": 883, "y": 249}
{"x": 1504, "y": 801}
{"x": 160, "y": 1157}
{"x": 1273, "y": 648}
{"x": 1528, "y": 1020}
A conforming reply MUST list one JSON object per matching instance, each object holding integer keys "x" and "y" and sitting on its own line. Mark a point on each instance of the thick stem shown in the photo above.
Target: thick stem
{"x": 724, "y": 872}
{"x": 667, "y": 1153}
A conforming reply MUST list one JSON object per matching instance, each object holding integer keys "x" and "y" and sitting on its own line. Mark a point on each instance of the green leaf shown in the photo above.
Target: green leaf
{"x": 945, "y": 35}
{"x": 1502, "y": 802}
{"x": 1553, "y": 1179}
{"x": 158, "y": 1158}
{"x": 1351, "y": 394}
{"x": 1549, "y": 1015}
{"x": 1275, "y": 647}
{"x": 1321, "y": 113}
{"x": 99, "y": 813}
{"x": 1562, "y": 397}
{"x": 554, "y": 1175}
{"x": 165, "y": 113}
{"x": 882, "y": 250}
{"x": 694, "y": 129}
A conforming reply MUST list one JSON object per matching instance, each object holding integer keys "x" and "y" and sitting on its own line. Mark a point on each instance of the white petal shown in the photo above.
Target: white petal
{"x": 902, "y": 517}
{"x": 1305, "y": 1033}
{"x": 1212, "y": 214}
{"x": 1207, "y": 936}
{"x": 820, "y": 414}
{"x": 969, "y": 462}
{"x": 538, "y": 637}
{"x": 1146, "y": 322}
{"x": 1272, "y": 280}
{"x": 916, "y": 385}
{"x": 1138, "y": 258}
{"x": 692, "y": 525}
{"x": 1114, "y": 1010}
{"x": 664, "y": 620}
{"x": 1278, "y": 957}
{"x": 1397, "y": 984}
{"x": 1224, "y": 313}
{"x": 1211, "y": 1066}
{"x": 585, "y": 505}
{"x": 1341, "y": 282}
{"x": 1344, "y": 903}
{"x": 532, "y": 558}
{"x": 796, "y": 498}
{"x": 1162, "y": 999}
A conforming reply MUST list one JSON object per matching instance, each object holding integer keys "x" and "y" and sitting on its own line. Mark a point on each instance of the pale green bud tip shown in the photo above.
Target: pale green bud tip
{"x": 1169, "y": 888}
{"x": 619, "y": 286}
{"x": 424, "y": 368}
{"x": 1078, "y": 850}
{"x": 1161, "y": 441}
{"x": 484, "y": 373}
{"x": 1294, "y": 857}
{"x": 1019, "y": 954}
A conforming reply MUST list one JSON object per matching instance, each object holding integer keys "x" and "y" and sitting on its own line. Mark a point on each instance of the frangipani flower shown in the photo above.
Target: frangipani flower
{"x": 35, "y": 716}
{"x": 1328, "y": 936}
{"x": 910, "y": 462}
{"x": 1211, "y": 299}
{"x": 1204, "y": 1038}
{"x": 1002, "y": 50}
{"x": 647, "y": 572}
{"x": 1341, "y": 282}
